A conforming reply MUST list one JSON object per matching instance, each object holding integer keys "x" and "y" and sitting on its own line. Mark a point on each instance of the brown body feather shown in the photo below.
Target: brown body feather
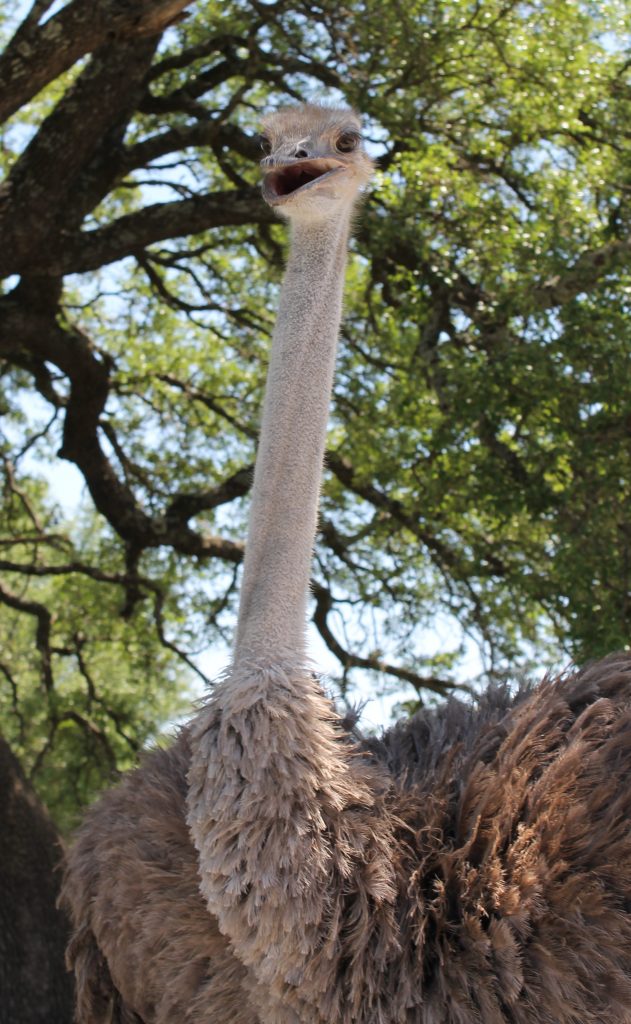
{"x": 505, "y": 830}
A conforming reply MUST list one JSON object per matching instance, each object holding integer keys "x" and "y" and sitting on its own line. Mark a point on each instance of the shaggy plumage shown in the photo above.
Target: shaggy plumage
{"x": 502, "y": 831}
{"x": 144, "y": 947}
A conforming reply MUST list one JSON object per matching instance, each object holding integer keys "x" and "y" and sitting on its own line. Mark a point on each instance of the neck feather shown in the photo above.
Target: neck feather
{"x": 283, "y": 516}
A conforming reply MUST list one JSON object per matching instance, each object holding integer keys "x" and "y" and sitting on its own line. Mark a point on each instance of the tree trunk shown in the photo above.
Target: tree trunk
{"x": 35, "y": 987}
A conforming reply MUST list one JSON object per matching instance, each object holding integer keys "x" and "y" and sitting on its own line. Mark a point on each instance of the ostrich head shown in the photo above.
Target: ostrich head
{"x": 314, "y": 162}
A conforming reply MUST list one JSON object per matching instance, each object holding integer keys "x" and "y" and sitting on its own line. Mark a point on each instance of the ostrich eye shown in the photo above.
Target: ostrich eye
{"x": 347, "y": 142}
{"x": 265, "y": 144}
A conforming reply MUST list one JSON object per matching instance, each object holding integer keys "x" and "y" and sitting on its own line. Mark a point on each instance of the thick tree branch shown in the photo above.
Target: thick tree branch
{"x": 204, "y": 133}
{"x": 257, "y": 64}
{"x": 213, "y": 44}
{"x": 33, "y": 202}
{"x": 73, "y": 353}
{"x": 186, "y": 506}
{"x": 132, "y": 233}
{"x": 187, "y": 97}
{"x": 38, "y": 54}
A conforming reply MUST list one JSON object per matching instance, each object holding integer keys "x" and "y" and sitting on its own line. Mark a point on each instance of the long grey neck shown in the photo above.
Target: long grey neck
{"x": 283, "y": 516}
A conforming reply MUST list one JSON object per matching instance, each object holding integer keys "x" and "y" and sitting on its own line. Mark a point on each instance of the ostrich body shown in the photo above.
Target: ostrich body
{"x": 472, "y": 867}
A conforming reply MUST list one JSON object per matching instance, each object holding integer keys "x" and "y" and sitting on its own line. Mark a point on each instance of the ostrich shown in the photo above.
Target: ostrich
{"x": 472, "y": 865}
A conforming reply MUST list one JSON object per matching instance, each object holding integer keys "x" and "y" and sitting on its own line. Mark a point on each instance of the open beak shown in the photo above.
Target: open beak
{"x": 284, "y": 182}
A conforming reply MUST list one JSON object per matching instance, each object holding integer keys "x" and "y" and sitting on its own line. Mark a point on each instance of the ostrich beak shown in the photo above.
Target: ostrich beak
{"x": 285, "y": 182}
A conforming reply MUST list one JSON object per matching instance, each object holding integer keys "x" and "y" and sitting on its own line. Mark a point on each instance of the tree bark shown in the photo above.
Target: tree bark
{"x": 38, "y": 53}
{"x": 35, "y": 987}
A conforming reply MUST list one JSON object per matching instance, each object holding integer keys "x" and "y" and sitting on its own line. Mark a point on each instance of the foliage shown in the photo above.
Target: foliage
{"x": 87, "y": 678}
{"x": 478, "y": 468}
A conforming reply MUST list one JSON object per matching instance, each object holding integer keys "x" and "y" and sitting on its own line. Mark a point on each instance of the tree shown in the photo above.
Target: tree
{"x": 35, "y": 987}
{"x": 478, "y": 466}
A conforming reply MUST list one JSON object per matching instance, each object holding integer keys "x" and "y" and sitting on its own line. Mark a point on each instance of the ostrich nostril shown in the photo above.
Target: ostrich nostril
{"x": 301, "y": 154}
